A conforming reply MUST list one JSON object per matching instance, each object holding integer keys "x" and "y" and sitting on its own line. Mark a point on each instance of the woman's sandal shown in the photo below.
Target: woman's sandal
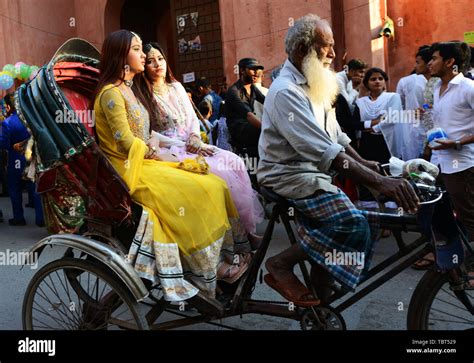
{"x": 231, "y": 273}
{"x": 425, "y": 266}
{"x": 470, "y": 280}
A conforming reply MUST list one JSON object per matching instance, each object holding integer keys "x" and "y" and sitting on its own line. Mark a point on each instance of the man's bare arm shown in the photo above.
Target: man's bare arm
{"x": 253, "y": 120}
{"x": 373, "y": 165}
{"x": 397, "y": 189}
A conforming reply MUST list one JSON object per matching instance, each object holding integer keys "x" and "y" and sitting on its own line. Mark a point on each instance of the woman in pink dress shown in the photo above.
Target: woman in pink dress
{"x": 177, "y": 133}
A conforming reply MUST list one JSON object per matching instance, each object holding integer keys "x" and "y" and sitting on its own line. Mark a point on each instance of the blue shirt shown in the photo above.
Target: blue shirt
{"x": 215, "y": 100}
{"x": 12, "y": 131}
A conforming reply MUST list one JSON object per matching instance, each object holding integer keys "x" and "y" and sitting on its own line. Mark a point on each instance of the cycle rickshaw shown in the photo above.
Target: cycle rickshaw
{"x": 92, "y": 286}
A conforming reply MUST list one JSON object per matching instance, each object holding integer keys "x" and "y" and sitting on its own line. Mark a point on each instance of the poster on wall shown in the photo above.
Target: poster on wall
{"x": 192, "y": 45}
{"x": 189, "y": 77}
{"x": 469, "y": 37}
{"x": 195, "y": 44}
{"x": 182, "y": 19}
{"x": 181, "y": 22}
{"x": 194, "y": 18}
{"x": 182, "y": 46}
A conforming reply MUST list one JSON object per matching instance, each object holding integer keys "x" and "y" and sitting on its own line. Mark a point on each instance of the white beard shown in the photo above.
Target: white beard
{"x": 322, "y": 84}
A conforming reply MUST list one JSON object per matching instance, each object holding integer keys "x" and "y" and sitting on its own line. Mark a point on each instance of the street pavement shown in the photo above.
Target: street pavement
{"x": 384, "y": 309}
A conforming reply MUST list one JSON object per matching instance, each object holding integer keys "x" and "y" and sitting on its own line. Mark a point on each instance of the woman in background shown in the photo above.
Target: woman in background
{"x": 382, "y": 135}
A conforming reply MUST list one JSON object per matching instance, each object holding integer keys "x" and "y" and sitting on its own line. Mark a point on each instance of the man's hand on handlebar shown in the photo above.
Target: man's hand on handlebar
{"x": 401, "y": 192}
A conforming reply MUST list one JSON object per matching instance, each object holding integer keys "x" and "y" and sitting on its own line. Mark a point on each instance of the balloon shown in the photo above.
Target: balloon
{"x": 34, "y": 71}
{"x": 17, "y": 69}
{"x": 9, "y": 73}
{"x": 24, "y": 71}
{"x": 6, "y": 81}
{"x": 10, "y": 68}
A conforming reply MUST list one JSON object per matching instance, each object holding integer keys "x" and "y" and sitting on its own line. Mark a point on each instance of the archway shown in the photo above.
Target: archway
{"x": 152, "y": 20}
{"x": 157, "y": 21}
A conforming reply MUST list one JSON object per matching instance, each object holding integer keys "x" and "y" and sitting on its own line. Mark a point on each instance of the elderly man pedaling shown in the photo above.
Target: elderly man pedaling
{"x": 301, "y": 147}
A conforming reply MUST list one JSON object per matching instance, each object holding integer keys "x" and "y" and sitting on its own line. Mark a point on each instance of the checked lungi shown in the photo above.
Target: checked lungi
{"x": 329, "y": 222}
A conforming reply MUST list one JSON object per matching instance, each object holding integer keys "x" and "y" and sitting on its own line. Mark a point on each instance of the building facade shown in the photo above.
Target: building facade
{"x": 208, "y": 37}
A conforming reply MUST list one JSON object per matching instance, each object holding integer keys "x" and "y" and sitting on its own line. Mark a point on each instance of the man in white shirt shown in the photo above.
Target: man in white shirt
{"x": 470, "y": 72}
{"x": 453, "y": 111}
{"x": 349, "y": 80}
{"x": 257, "y": 106}
{"x": 410, "y": 89}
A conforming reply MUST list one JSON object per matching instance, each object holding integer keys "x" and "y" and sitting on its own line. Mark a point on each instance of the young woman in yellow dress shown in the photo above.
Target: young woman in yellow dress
{"x": 178, "y": 131}
{"x": 181, "y": 243}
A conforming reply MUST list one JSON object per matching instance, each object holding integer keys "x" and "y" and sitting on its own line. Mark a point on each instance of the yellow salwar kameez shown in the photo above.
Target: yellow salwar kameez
{"x": 185, "y": 215}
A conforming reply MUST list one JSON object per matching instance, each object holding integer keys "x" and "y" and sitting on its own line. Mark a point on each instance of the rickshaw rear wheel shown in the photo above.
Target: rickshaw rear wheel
{"x": 77, "y": 294}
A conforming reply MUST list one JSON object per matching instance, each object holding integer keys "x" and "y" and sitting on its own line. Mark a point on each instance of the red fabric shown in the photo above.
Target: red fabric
{"x": 348, "y": 187}
{"x": 79, "y": 102}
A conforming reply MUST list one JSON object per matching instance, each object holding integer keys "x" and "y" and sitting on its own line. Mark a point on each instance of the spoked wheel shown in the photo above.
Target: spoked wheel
{"x": 326, "y": 318}
{"x": 75, "y": 294}
{"x": 435, "y": 306}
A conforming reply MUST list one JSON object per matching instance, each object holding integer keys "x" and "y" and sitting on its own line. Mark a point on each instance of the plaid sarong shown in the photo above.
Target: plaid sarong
{"x": 328, "y": 224}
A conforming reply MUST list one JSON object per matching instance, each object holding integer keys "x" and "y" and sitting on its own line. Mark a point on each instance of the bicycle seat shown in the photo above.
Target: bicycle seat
{"x": 271, "y": 196}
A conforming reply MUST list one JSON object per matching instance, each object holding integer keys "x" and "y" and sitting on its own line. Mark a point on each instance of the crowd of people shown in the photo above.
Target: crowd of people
{"x": 183, "y": 164}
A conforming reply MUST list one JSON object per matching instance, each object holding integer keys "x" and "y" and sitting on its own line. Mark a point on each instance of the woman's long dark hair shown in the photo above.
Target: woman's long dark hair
{"x": 112, "y": 65}
{"x": 142, "y": 85}
{"x": 169, "y": 78}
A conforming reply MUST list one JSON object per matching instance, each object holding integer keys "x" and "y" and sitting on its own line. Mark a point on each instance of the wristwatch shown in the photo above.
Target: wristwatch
{"x": 457, "y": 145}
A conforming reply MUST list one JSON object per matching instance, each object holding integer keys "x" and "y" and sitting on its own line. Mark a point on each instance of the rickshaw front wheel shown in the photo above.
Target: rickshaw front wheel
{"x": 77, "y": 294}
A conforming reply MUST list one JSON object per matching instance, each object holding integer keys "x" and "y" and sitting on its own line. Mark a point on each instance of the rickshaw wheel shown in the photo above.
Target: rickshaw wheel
{"x": 326, "y": 318}
{"x": 76, "y": 294}
{"x": 435, "y": 306}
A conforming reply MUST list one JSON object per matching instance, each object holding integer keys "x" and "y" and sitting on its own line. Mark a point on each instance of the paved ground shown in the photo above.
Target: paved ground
{"x": 385, "y": 308}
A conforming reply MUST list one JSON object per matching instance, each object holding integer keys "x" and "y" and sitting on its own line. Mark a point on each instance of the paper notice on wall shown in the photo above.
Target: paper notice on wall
{"x": 469, "y": 37}
{"x": 181, "y": 22}
{"x": 183, "y": 46}
{"x": 195, "y": 44}
{"x": 194, "y": 18}
{"x": 189, "y": 77}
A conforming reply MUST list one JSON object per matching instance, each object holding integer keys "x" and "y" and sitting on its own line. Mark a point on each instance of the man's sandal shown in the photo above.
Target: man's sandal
{"x": 294, "y": 293}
